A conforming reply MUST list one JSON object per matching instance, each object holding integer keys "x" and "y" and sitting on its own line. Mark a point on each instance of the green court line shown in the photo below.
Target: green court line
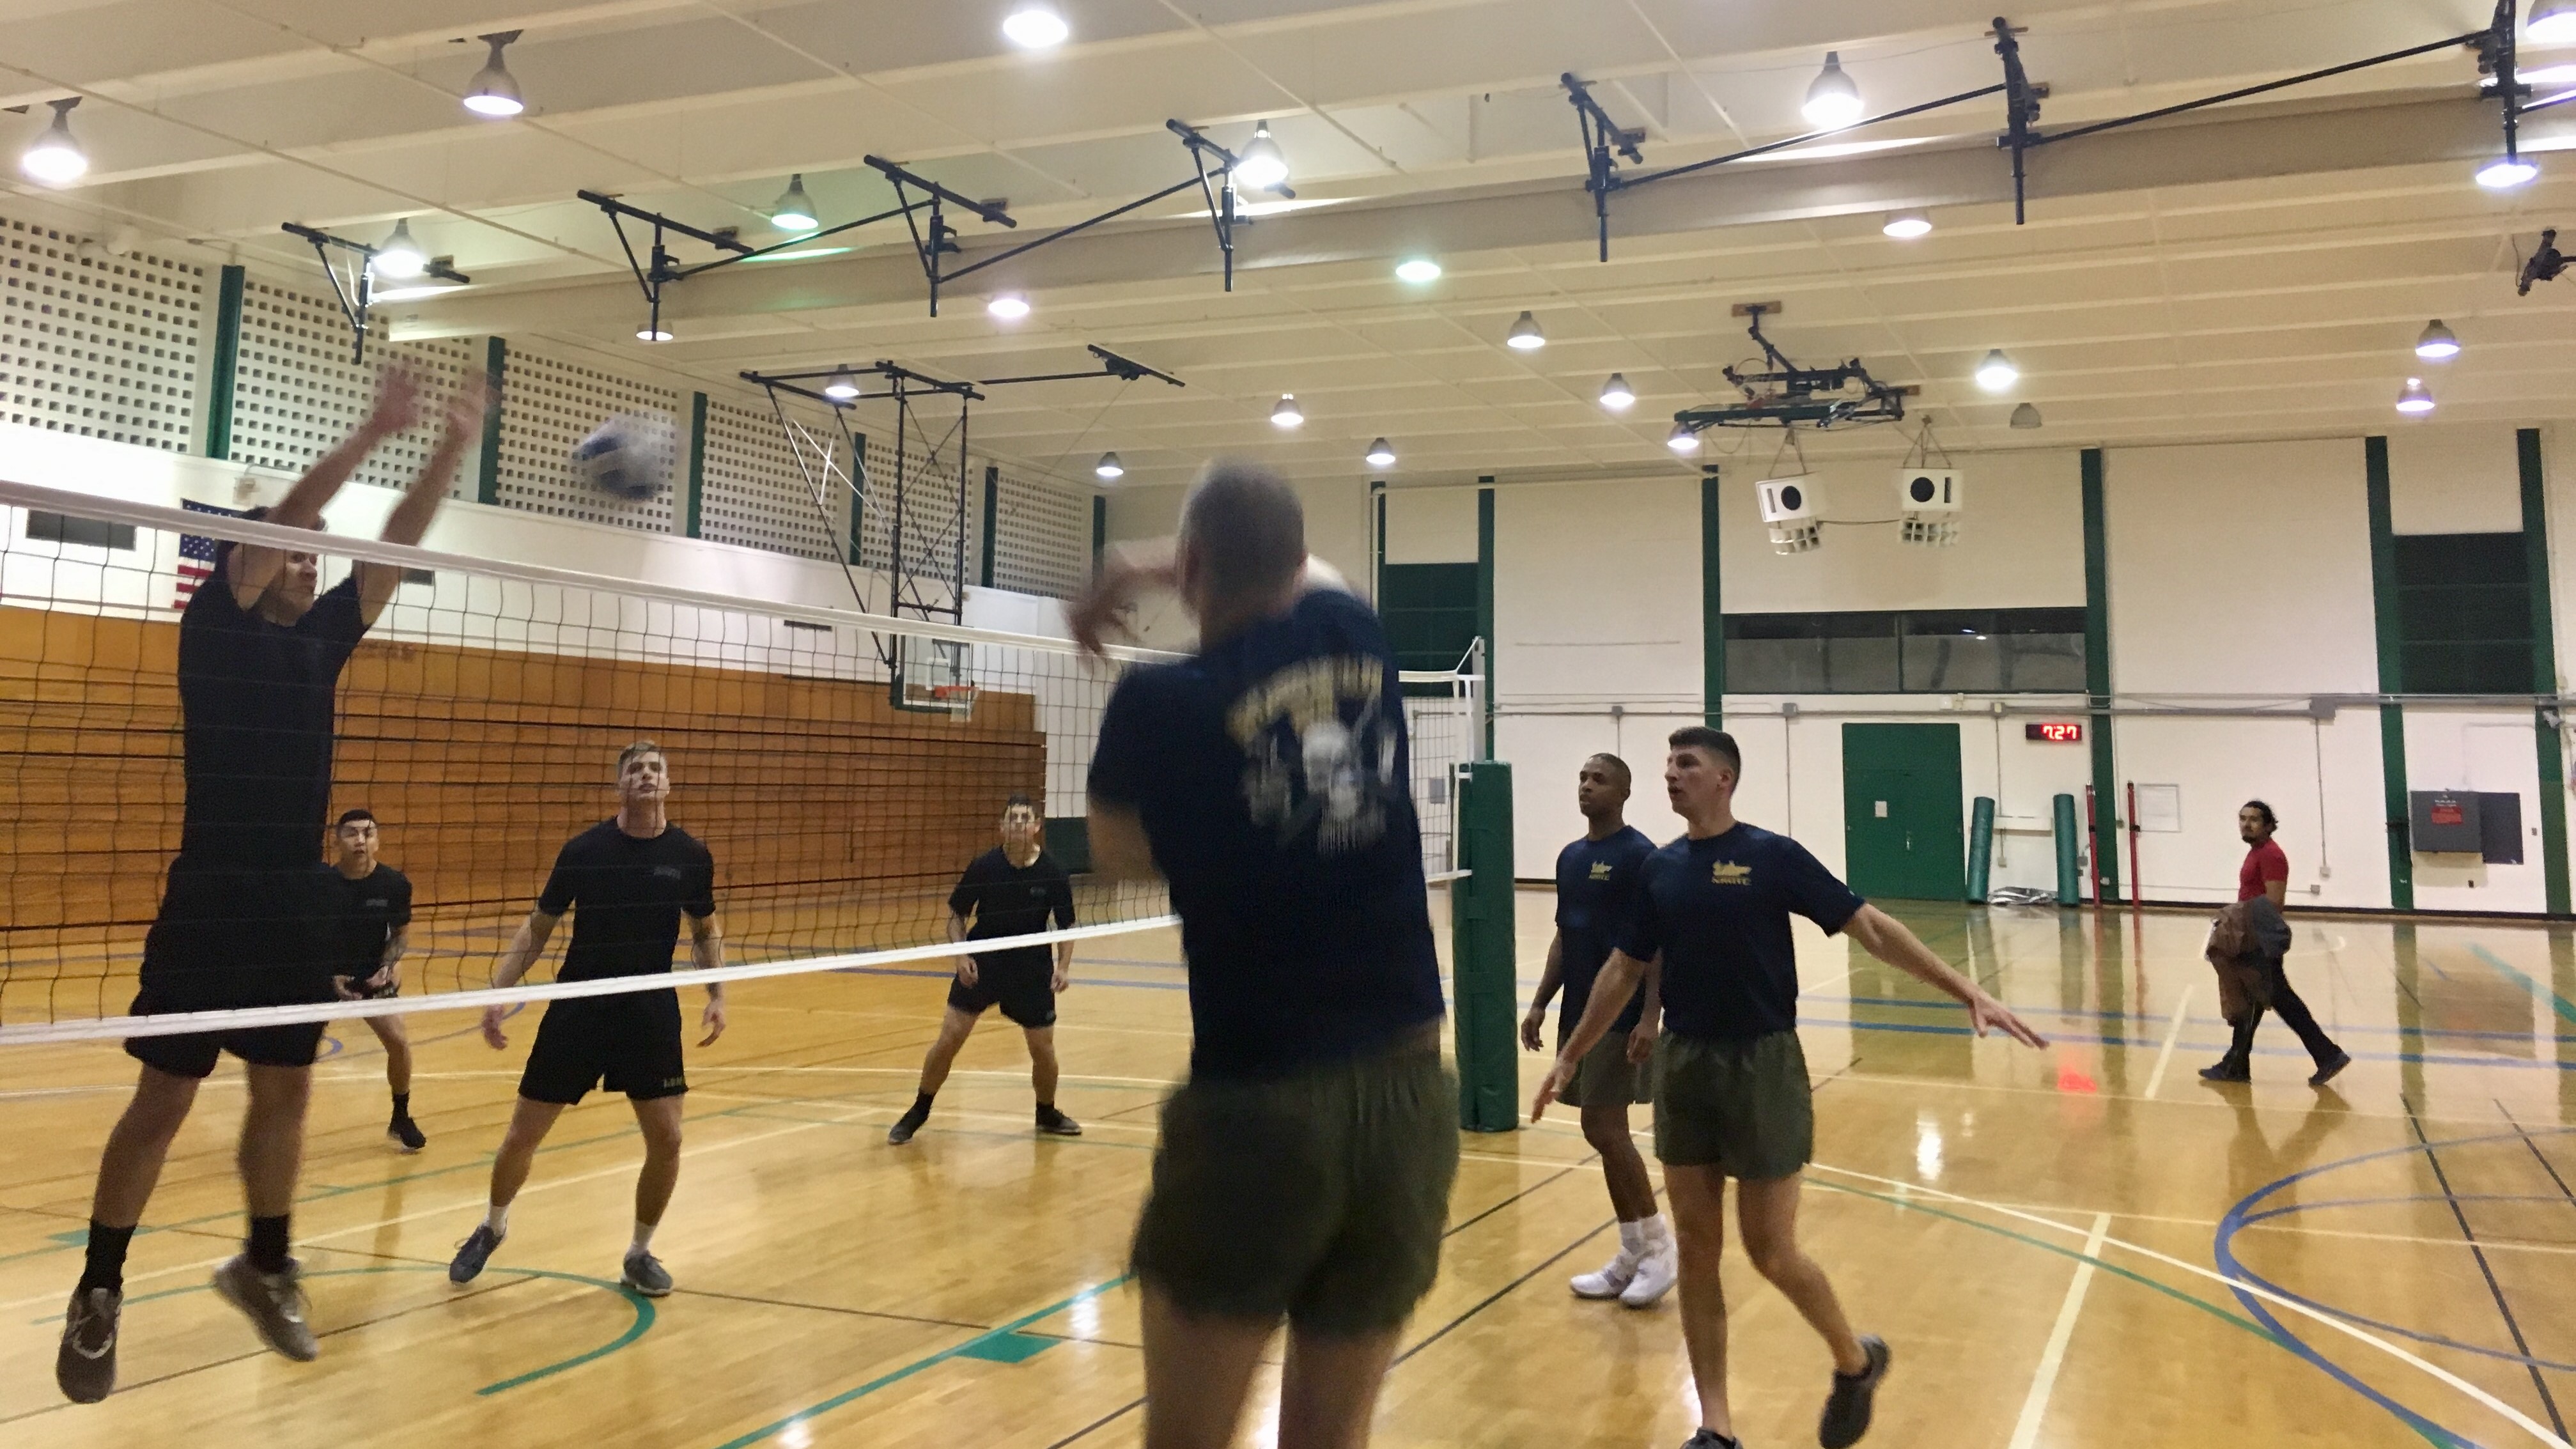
{"x": 2566, "y": 1009}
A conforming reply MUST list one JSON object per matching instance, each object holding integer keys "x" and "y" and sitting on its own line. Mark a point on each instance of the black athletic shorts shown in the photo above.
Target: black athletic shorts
{"x": 628, "y": 1043}
{"x": 1023, "y": 985}
{"x": 237, "y": 938}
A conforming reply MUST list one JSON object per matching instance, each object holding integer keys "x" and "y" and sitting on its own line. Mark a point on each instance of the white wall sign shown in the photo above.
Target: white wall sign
{"x": 2160, "y": 809}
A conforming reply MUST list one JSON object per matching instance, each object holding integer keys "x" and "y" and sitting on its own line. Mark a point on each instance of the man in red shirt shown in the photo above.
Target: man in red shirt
{"x": 2265, "y": 878}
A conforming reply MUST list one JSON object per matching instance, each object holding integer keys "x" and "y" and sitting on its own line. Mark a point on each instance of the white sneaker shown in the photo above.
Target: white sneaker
{"x": 1656, "y": 1273}
{"x": 1611, "y": 1281}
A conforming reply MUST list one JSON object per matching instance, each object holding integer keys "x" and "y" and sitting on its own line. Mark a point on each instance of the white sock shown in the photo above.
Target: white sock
{"x": 643, "y": 1239}
{"x": 497, "y": 1218}
{"x": 1632, "y": 1239}
{"x": 1657, "y": 1232}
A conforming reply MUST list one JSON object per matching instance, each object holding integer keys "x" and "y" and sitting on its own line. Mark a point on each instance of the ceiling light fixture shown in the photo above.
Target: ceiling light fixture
{"x": 2438, "y": 342}
{"x": 1616, "y": 395}
{"x": 494, "y": 92}
{"x": 1035, "y": 27}
{"x": 651, "y": 334}
{"x": 2026, "y": 417}
{"x": 2506, "y": 172}
{"x": 794, "y": 210}
{"x": 1109, "y": 468}
{"x": 1833, "y": 101}
{"x": 1997, "y": 372}
{"x": 2415, "y": 399}
{"x": 2552, "y": 21}
{"x": 2538, "y": 75}
{"x": 1287, "y": 414}
{"x": 1381, "y": 454}
{"x": 1907, "y": 225}
{"x": 1525, "y": 336}
{"x": 843, "y": 387}
{"x": 1417, "y": 270}
{"x": 399, "y": 257}
{"x": 1009, "y": 306}
{"x": 56, "y": 159}
{"x": 1262, "y": 166}
{"x": 1682, "y": 440}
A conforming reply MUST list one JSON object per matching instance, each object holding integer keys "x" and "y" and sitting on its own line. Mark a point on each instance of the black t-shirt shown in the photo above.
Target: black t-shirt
{"x": 626, "y": 893}
{"x": 256, "y": 700}
{"x": 1006, "y": 900}
{"x": 1596, "y": 896}
{"x": 1272, "y": 777}
{"x": 373, "y": 907}
{"x": 1719, "y": 911}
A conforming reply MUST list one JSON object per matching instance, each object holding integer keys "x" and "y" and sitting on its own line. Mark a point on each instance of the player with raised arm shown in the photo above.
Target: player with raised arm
{"x": 371, "y": 931}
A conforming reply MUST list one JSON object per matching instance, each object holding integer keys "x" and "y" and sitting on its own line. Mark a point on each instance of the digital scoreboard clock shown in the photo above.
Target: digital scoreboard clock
{"x": 2055, "y": 731}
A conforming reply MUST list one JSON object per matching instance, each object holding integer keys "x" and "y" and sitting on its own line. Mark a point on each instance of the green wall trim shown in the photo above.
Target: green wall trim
{"x": 2544, "y": 671}
{"x": 496, "y": 369}
{"x": 1712, "y": 609}
{"x": 1099, "y": 527}
{"x": 2392, "y": 673}
{"x": 689, "y": 506}
{"x": 1485, "y": 601}
{"x": 992, "y": 517}
{"x": 2097, "y": 676}
{"x": 858, "y": 498}
{"x": 219, "y": 388}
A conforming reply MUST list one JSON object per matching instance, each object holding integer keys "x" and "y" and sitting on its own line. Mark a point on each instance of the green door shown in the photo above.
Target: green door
{"x": 1903, "y": 836}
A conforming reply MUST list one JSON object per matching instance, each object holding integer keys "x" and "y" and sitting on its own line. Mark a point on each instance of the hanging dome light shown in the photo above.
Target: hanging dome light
{"x": 1009, "y": 306}
{"x": 2552, "y": 22}
{"x": 2415, "y": 399}
{"x": 494, "y": 92}
{"x": 1681, "y": 439}
{"x": 400, "y": 257}
{"x": 1035, "y": 27}
{"x": 1616, "y": 395}
{"x": 1109, "y": 468}
{"x": 651, "y": 334}
{"x": 2438, "y": 342}
{"x": 1381, "y": 454}
{"x": 1525, "y": 335}
{"x": 843, "y": 387}
{"x": 1287, "y": 414}
{"x": 1833, "y": 100}
{"x": 2506, "y": 172}
{"x": 1417, "y": 270}
{"x": 1997, "y": 372}
{"x": 794, "y": 210}
{"x": 56, "y": 159}
{"x": 1261, "y": 166}
{"x": 1907, "y": 225}
{"x": 2026, "y": 417}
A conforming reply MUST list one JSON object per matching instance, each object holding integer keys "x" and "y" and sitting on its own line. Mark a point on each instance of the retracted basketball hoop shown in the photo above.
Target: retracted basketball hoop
{"x": 957, "y": 699}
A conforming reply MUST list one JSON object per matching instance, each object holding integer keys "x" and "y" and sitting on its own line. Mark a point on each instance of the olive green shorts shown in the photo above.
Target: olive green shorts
{"x": 1320, "y": 1196}
{"x": 1742, "y": 1107}
{"x": 1606, "y": 1078}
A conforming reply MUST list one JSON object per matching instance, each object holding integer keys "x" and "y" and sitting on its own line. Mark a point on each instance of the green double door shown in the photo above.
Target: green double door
{"x": 1903, "y": 835}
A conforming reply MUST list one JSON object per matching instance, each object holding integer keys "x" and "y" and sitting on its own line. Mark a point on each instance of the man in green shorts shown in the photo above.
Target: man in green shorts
{"x": 1731, "y": 1090}
{"x": 1305, "y": 1166}
{"x": 1596, "y": 895}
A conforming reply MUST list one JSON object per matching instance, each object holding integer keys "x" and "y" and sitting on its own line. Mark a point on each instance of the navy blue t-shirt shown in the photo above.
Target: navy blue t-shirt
{"x": 1719, "y": 911}
{"x": 1272, "y": 778}
{"x": 1596, "y": 896}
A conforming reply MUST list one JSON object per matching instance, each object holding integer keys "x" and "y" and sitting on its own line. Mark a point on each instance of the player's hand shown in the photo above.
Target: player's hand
{"x": 1063, "y": 978}
{"x": 492, "y": 1018}
{"x": 387, "y": 979}
{"x": 1985, "y": 1012}
{"x": 397, "y": 403}
{"x": 1557, "y": 1077}
{"x": 1124, "y": 574}
{"x": 466, "y": 409}
{"x": 1531, "y": 1026}
{"x": 1641, "y": 1040}
{"x": 968, "y": 973}
{"x": 713, "y": 1019}
{"x": 340, "y": 988}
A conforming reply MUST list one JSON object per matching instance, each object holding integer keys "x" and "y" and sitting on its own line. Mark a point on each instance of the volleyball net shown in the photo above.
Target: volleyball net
{"x": 843, "y": 768}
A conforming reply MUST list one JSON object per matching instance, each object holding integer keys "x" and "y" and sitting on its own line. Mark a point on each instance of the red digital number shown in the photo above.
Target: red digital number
{"x": 2056, "y": 731}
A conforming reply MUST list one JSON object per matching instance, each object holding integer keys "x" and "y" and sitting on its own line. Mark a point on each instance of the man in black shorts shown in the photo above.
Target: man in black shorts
{"x": 627, "y": 881}
{"x": 1731, "y": 1091}
{"x": 1304, "y": 1168}
{"x": 1010, "y": 890}
{"x": 372, "y": 927}
{"x": 1597, "y": 879}
{"x": 244, "y": 918}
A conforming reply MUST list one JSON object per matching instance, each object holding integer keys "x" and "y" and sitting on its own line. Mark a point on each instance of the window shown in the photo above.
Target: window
{"x": 45, "y": 527}
{"x": 1945, "y": 651}
{"x": 2463, "y": 613}
{"x": 1430, "y": 612}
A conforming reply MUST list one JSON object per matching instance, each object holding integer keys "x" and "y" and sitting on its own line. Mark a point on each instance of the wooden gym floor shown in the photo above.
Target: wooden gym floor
{"x": 2041, "y": 1235}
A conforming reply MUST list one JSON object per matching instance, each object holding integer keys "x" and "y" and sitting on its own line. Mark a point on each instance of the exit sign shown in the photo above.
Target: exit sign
{"x": 2055, "y": 731}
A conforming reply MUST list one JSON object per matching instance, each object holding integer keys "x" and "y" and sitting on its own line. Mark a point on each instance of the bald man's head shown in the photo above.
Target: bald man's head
{"x": 1243, "y": 542}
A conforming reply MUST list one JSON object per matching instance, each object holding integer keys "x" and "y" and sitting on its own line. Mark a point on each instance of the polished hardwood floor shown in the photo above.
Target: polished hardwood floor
{"x": 2081, "y": 1246}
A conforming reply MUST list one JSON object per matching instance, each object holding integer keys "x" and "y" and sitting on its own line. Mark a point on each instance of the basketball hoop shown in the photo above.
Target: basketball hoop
{"x": 957, "y": 699}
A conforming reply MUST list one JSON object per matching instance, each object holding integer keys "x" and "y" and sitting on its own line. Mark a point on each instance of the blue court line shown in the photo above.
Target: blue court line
{"x": 2427, "y": 1058}
{"x": 2566, "y": 1009}
{"x": 2066, "y": 1014}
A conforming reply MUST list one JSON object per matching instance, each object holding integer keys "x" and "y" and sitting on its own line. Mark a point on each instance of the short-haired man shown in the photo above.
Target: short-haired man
{"x": 1304, "y": 1168}
{"x": 2265, "y": 879}
{"x": 373, "y": 927}
{"x": 1010, "y": 890}
{"x": 627, "y": 882}
{"x": 1597, "y": 880}
{"x": 1731, "y": 1092}
{"x": 245, "y": 913}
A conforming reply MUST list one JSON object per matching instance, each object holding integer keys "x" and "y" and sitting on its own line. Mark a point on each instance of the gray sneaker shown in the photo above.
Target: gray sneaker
{"x": 646, "y": 1275}
{"x": 85, "y": 1366}
{"x": 473, "y": 1253}
{"x": 274, "y": 1304}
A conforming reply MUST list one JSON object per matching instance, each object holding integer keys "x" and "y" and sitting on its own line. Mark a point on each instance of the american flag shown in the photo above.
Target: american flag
{"x": 196, "y": 553}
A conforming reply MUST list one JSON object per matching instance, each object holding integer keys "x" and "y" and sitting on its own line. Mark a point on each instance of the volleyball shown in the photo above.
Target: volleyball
{"x": 629, "y": 455}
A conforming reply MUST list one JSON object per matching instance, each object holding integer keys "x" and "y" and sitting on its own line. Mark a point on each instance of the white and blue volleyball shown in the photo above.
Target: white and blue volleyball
{"x": 629, "y": 455}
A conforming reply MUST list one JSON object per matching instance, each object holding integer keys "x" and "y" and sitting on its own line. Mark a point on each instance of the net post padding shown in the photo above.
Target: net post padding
{"x": 1481, "y": 927}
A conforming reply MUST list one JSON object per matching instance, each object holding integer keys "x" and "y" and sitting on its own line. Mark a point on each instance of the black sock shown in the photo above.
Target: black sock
{"x": 105, "y": 1265}
{"x": 267, "y": 1244}
{"x": 402, "y": 1105}
{"x": 920, "y": 1104}
{"x": 1046, "y": 1109}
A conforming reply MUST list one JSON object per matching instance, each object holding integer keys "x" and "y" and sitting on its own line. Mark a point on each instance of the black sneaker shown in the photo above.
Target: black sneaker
{"x": 407, "y": 1133}
{"x": 2328, "y": 1071}
{"x": 2225, "y": 1070}
{"x": 1847, "y": 1407}
{"x": 1711, "y": 1439}
{"x": 473, "y": 1253}
{"x": 274, "y": 1304}
{"x": 85, "y": 1366}
{"x": 904, "y": 1126}
{"x": 1055, "y": 1124}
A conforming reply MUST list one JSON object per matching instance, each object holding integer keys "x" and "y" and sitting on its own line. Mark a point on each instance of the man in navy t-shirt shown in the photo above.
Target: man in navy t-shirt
{"x": 1304, "y": 1168}
{"x": 1597, "y": 880}
{"x": 1731, "y": 1090}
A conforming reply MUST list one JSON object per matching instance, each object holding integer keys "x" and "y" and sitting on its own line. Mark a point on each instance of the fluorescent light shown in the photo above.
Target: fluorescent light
{"x": 794, "y": 210}
{"x": 1682, "y": 439}
{"x": 494, "y": 92}
{"x": 651, "y": 334}
{"x": 1997, "y": 372}
{"x": 1907, "y": 225}
{"x": 1833, "y": 101}
{"x": 1009, "y": 306}
{"x": 56, "y": 159}
{"x": 1417, "y": 270}
{"x": 2537, "y": 75}
{"x": 1035, "y": 27}
{"x": 2438, "y": 342}
{"x": 1287, "y": 414}
{"x": 1261, "y": 166}
{"x": 2415, "y": 399}
{"x": 2025, "y": 417}
{"x": 2505, "y": 172}
{"x": 400, "y": 257}
{"x": 797, "y": 254}
{"x": 1109, "y": 467}
{"x": 1616, "y": 395}
{"x": 1525, "y": 335}
{"x": 843, "y": 386}
{"x": 2552, "y": 21}
{"x": 1381, "y": 454}
{"x": 428, "y": 287}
